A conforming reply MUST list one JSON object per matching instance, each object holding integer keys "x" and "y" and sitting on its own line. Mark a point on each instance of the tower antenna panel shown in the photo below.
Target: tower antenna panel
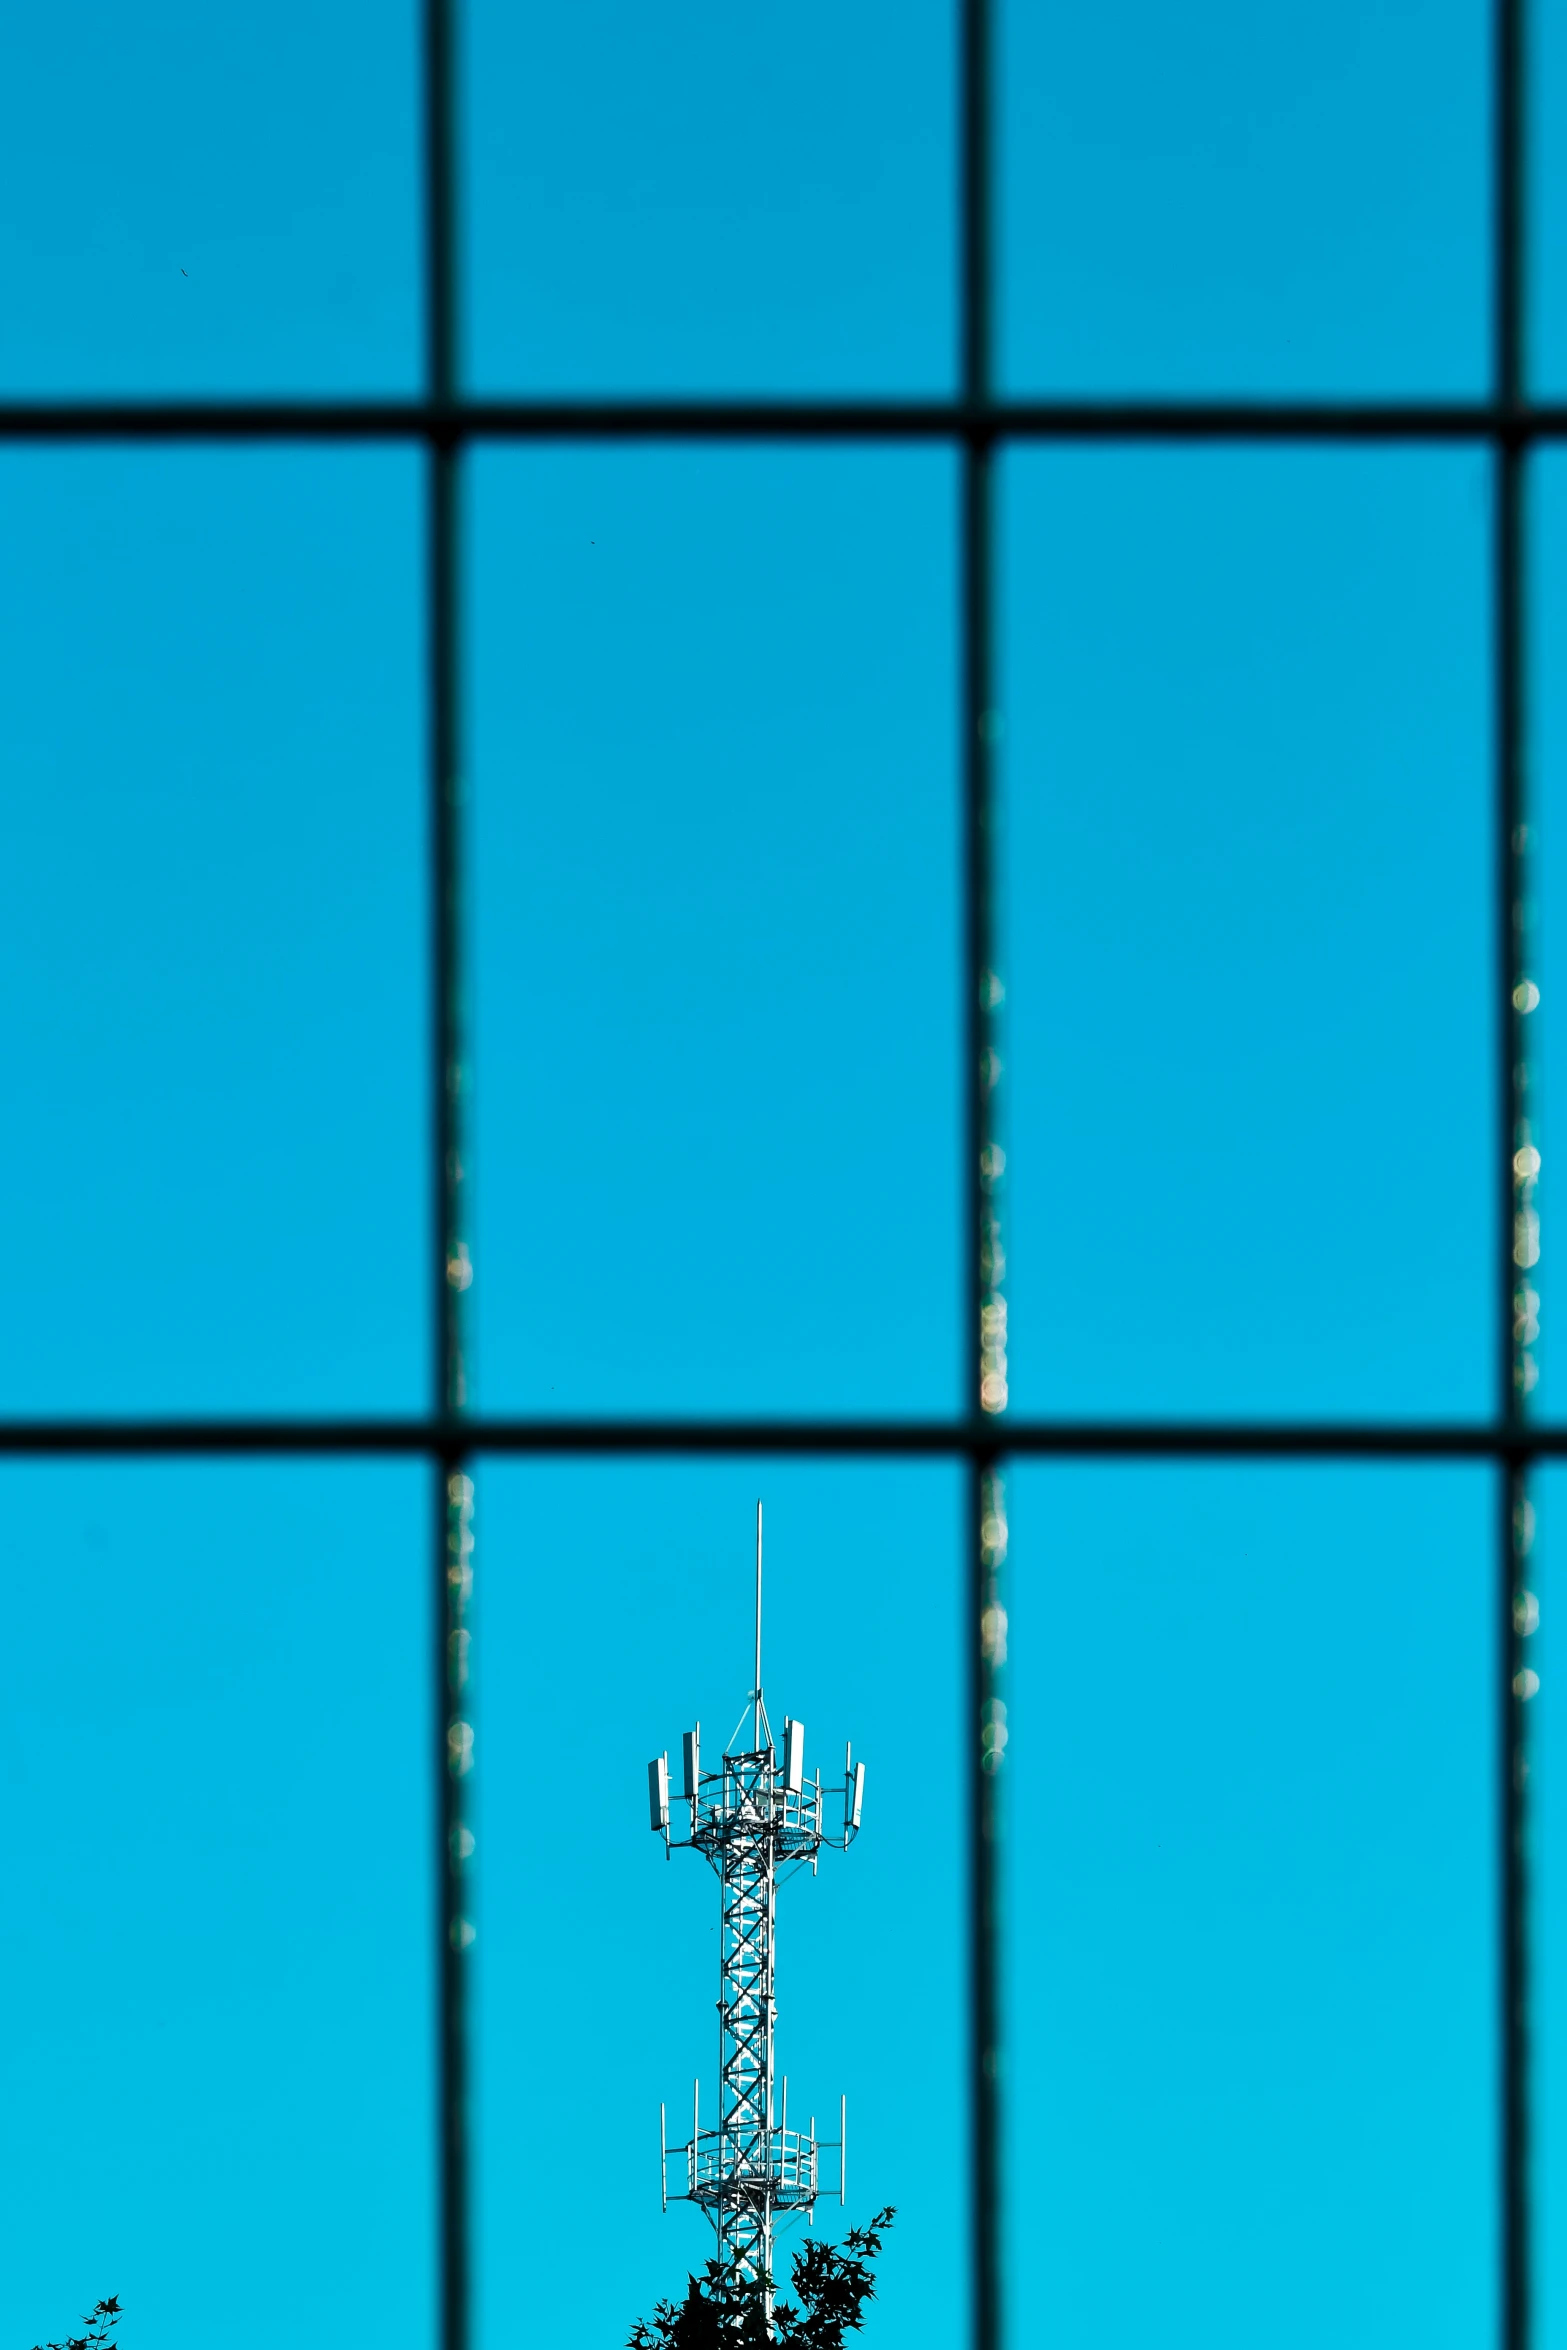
{"x": 751, "y": 1818}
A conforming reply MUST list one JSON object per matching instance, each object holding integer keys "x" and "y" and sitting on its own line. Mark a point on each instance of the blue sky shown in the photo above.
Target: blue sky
{"x": 712, "y": 737}
{"x": 1251, "y": 1924}
{"x": 617, "y": 1613}
{"x": 218, "y": 2079}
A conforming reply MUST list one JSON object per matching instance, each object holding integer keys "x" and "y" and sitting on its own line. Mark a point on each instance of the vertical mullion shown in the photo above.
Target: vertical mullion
{"x": 983, "y": 1353}
{"x": 1516, "y": 1244}
{"x": 984, "y": 1374}
{"x": 451, "y": 1264}
{"x": 1516, "y": 1516}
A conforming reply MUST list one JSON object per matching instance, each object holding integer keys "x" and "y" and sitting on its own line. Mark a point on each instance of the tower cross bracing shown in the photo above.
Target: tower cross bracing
{"x": 754, "y": 1816}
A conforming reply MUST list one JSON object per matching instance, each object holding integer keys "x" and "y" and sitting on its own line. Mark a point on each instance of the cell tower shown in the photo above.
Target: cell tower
{"x": 754, "y": 1817}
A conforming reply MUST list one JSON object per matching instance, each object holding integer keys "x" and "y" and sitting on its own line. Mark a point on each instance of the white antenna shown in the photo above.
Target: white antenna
{"x": 757, "y": 1729}
{"x": 755, "y": 1819}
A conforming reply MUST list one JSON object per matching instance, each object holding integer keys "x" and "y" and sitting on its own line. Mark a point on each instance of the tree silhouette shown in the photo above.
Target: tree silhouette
{"x": 100, "y": 2332}
{"x": 722, "y": 2311}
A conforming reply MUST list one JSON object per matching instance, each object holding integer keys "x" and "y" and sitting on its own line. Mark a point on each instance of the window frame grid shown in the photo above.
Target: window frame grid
{"x": 977, "y": 424}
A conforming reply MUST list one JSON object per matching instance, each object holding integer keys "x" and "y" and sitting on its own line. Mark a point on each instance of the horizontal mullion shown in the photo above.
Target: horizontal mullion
{"x": 988, "y": 1438}
{"x": 1112, "y": 420}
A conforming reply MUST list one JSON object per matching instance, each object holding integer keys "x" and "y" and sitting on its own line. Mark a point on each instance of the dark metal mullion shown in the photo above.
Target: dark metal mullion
{"x": 870, "y": 419}
{"x": 982, "y": 1364}
{"x": 1514, "y": 1526}
{"x": 1515, "y": 1186}
{"x": 1514, "y": 1518}
{"x": 982, "y": 1356}
{"x": 450, "y": 1260}
{"x": 453, "y": 1439}
{"x": 453, "y": 1742}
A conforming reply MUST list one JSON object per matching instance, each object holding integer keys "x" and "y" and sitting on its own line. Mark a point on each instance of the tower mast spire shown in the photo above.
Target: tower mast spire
{"x": 756, "y": 1732}
{"x": 750, "y": 1818}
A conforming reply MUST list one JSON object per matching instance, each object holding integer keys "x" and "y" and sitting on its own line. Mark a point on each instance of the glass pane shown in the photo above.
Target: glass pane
{"x": 1545, "y": 913}
{"x": 1538, "y": 1532}
{"x": 1249, "y": 890}
{"x": 1252, "y": 1927}
{"x": 212, "y": 930}
{"x": 1546, "y": 243}
{"x": 217, "y": 1759}
{"x": 714, "y": 896}
{"x": 1538, "y": 1537}
{"x": 209, "y": 199}
{"x": 1226, "y": 199}
{"x": 711, "y": 199}
{"x": 614, "y": 1611}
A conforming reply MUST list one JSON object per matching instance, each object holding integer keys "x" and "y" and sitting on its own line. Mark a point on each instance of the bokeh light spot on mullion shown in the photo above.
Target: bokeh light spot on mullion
{"x": 1539, "y": 942}
{"x": 1248, "y": 909}
{"x": 715, "y": 930}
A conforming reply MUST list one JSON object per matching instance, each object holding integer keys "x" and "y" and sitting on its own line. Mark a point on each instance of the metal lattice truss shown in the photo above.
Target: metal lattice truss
{"x": 753, "y": 1818}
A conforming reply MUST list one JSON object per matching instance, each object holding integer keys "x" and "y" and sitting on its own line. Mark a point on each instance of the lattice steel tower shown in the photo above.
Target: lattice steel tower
{"x": 752, "y": 1818}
